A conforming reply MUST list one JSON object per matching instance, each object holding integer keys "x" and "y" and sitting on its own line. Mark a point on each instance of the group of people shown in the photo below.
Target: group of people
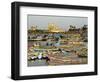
{"x": 40, "y": 56}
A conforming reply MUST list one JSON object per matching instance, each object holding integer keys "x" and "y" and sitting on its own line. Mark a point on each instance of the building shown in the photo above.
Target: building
{"x": 33, "y": 27}
{"x": 54, "y": 28}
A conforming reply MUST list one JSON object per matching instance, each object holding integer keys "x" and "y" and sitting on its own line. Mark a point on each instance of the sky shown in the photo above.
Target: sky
{"x": 41, "y": 21}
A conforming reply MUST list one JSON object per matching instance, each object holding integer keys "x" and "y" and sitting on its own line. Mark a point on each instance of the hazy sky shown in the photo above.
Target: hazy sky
{"x": 62, "y": 21}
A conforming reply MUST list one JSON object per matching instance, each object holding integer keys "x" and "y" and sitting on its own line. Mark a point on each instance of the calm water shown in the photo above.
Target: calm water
{"x": 37, "y": 63}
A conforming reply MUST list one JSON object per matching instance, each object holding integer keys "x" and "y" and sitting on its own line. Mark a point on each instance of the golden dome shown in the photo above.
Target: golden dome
{"x": 54, "y": 28}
